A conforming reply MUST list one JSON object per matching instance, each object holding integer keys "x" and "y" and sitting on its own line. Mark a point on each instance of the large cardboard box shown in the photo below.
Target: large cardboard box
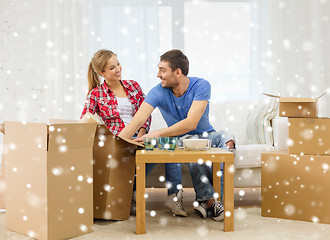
{"x": 295, "y": 187}
{"x": 297, "y": 107}
{"x": 49, "y": 175}
{"x": 114, "y": 170}
{"x": 309, "y": 136}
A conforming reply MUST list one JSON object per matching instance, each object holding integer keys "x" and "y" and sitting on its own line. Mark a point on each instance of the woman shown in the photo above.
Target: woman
{"x": 116, "y": 101}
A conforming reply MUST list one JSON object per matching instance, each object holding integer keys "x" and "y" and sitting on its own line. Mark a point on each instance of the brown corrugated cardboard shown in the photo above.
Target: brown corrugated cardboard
{"x": 2, "y": 173}
{"x": 309, "y": 136}
{"x": 297, "y": 107}
{"x": 114, "y": 169}
{"x": 2, "y": 187}
{"x": 49, "y": 179}
{"x": 2, "y": 128}
{"x": 295, "y": 187}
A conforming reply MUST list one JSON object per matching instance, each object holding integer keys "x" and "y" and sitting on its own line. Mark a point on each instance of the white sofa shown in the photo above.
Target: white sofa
{"x": 233, "y": 117}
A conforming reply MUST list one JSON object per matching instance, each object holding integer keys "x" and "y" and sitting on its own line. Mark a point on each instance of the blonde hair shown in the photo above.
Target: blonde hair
{"x": 97, "y": 64}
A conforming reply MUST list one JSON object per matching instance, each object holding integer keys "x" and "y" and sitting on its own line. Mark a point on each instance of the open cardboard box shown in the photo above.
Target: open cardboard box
{"x": 295, "y": 187}
{"x": 297, "y": 107}
{"x": 49, "y": 174}
{"x": 113, "y": 171}
{"x": 309, "y": 136}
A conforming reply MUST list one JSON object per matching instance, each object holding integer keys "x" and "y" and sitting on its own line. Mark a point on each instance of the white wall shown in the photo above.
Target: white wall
{"x": 46, "y": 46}
{"x": 290, "y": 49}
{"x": 26, "y": 37}
{"x": 22, "y": 60}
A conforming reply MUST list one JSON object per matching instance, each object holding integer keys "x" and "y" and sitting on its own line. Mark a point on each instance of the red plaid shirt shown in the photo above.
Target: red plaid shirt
{"x": 102, "y": 101}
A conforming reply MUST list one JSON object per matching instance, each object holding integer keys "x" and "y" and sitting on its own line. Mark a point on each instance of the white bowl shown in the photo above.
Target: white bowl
{"x": 195, "y": 144}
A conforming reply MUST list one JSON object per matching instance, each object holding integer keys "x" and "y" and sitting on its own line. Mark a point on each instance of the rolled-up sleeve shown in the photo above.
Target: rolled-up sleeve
{"x": 90, "y": 104}
{"x": 147, "y": 124}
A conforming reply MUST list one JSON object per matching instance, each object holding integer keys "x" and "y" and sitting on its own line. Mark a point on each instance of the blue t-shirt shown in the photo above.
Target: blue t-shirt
{"x": 175, "y": 109}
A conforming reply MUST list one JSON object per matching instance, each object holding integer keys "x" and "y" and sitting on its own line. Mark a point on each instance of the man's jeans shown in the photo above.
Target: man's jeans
{"x": 172, "y": 175}
{"x": 201, "y": 174}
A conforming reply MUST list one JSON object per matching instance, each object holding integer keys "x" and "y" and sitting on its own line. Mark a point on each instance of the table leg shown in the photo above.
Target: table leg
{"x": 217, "y": 179}
{"x": 228, "y": 197}
{"x": 140, "y": 200}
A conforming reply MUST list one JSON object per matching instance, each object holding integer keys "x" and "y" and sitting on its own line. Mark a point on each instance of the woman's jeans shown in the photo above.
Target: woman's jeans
{"x": 172, "y": 175}
{"x": 201, "y": 174}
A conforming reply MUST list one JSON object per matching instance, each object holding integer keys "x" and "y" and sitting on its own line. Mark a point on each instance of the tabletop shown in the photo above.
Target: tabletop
{"x": 184, "y": 155}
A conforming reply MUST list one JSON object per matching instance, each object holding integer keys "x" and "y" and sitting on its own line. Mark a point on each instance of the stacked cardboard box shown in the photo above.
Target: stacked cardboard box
{"x": 295, "y": 183}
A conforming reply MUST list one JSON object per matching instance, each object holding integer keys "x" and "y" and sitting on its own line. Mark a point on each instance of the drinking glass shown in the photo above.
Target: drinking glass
{"x": 149, "y": 143}
{"x": 170, "y": 143}
{"x": 161, "y": 143}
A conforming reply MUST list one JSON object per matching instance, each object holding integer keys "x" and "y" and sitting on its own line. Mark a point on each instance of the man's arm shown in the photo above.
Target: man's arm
{"x": 138, "y": 120}
{"x": 188, "y": 124}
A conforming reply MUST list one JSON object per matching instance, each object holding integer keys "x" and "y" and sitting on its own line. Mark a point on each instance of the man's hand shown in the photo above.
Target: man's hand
{"x": 230, "y": 144}
{"x": 139, "y": 118}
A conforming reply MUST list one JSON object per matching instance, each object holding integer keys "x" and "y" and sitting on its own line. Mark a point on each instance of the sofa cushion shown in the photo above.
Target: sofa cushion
{"x": 249, "y": 156}
{"x": 232, "y": 117}
{"x": 281, "y": 133}
{"x": 259, "y": 129}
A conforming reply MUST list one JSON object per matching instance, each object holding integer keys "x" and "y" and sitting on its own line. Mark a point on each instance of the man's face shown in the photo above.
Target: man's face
{"x": 168, "y": 78}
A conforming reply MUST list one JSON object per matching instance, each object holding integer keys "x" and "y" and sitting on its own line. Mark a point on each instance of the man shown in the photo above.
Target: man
{"x": 183, "y": 103}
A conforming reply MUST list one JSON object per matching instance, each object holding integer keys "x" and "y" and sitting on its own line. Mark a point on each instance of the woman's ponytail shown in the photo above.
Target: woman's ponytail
{"x": 93, "y": 78}
{"x": 97, "y": 65}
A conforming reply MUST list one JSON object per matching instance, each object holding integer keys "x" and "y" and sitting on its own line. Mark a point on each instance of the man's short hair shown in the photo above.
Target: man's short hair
{"x": 176, "y": 59}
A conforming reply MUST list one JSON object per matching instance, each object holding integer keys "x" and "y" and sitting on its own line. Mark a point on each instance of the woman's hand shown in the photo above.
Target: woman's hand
{"x": 142, "y": 132}
{"x": 151, "y": 134}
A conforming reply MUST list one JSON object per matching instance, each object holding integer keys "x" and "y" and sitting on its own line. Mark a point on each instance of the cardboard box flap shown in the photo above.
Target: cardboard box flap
{"x": 297, "y": 100}
{"x": 103, "y": 130}
{"x": 321, "y": 95}
{"x": 64, "y": 136}
{"x": 294, "y": 99}
{"x": 132, "y": 141}
{"x": 90, "y": 118}
{"x": 2, "y": 128}
{"x": 271, "y": 95}
{"x": 56, "y": 121}
{"x": 26, "y": 136}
